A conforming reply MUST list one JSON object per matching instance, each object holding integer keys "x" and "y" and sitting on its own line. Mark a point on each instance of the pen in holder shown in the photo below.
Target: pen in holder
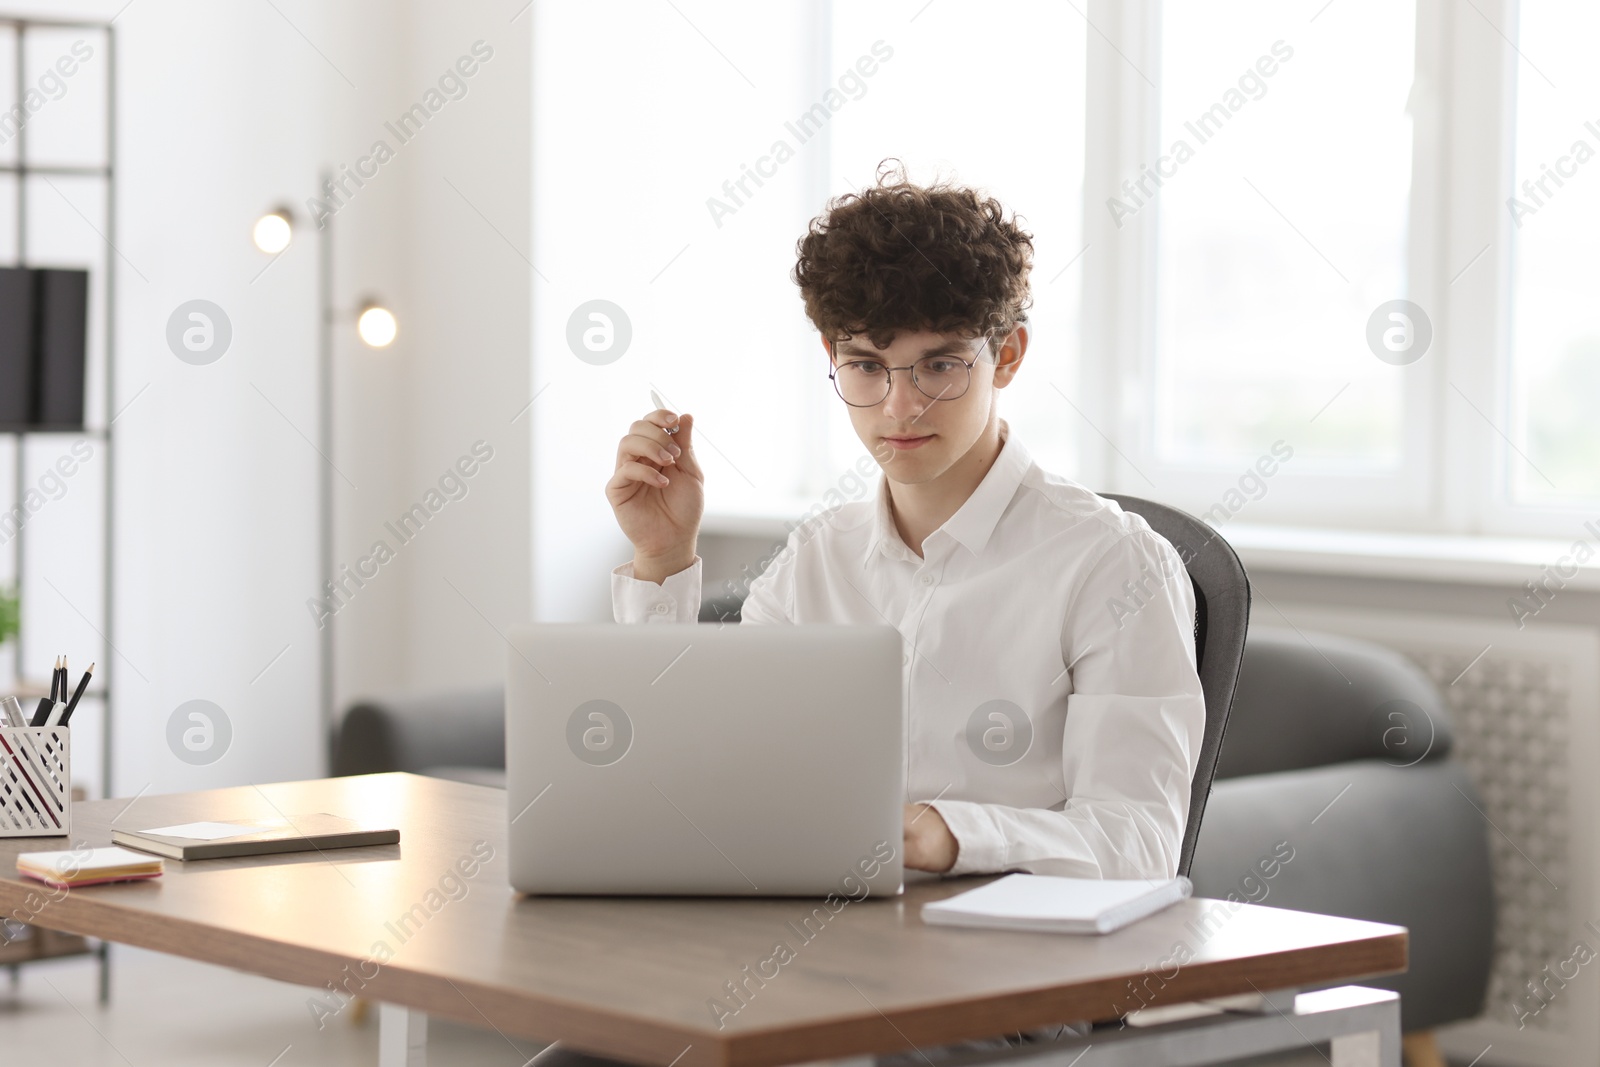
{"x": 35, "y": 781}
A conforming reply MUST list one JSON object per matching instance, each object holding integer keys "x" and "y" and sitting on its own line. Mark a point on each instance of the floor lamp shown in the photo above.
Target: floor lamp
{"x": 375, "y": 325}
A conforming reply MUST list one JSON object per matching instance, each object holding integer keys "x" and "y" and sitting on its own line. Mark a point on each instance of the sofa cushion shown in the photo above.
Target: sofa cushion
{"x": 1308, "y": 699}
{"x": 1365, "y": 840}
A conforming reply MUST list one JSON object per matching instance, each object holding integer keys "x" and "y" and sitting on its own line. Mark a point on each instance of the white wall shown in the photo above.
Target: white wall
{"x": 225, "y": 111}
{"x": 621, "y": 185}
{"x": 463, "y": 222}
{"x": 221, "y": 115}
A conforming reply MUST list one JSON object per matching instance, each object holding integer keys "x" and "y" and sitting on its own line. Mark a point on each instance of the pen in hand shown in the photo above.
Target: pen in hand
{"x": 656, "y": 399}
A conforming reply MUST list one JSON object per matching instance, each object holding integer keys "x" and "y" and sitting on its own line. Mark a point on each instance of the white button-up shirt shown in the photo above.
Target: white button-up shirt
{"x": 1053, "y": 712}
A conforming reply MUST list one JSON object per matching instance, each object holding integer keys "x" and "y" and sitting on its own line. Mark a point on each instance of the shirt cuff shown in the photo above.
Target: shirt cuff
{"x": 980, "y": 844}
{"x": 677, "y": 599}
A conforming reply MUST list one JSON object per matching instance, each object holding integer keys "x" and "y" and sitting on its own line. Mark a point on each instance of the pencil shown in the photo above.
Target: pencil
{"x": 83, "y": 683}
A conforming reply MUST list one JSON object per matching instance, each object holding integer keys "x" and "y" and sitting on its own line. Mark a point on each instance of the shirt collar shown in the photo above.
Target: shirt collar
{"x": 974, "y": 522}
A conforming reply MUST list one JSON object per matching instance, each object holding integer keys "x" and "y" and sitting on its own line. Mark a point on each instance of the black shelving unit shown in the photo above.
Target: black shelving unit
{"x": 47, "y": 944}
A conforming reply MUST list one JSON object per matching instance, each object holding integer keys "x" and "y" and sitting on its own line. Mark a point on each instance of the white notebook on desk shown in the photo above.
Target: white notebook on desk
{"x": 1047, "y": 904}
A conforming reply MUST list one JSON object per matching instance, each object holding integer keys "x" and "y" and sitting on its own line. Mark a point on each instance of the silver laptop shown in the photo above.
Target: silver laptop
{"x": 711, "y": 760}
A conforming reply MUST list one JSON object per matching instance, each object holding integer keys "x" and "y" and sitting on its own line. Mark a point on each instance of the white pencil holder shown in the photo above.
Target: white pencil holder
{"x": 35, "y": 781}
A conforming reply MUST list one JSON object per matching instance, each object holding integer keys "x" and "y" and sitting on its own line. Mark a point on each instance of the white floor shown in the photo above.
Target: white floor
{"x": 177, "y": 1013}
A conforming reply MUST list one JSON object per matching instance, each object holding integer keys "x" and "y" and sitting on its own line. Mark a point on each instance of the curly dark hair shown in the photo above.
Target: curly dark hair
{"x": 901, "y": 256}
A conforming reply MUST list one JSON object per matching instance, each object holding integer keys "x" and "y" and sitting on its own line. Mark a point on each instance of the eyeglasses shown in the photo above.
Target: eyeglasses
{"x": 865, "y": 383}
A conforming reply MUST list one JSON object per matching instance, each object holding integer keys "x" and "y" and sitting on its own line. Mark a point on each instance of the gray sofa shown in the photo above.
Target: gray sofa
{"x": 1335, "y": 793}
{"x": 1339, "y": 750}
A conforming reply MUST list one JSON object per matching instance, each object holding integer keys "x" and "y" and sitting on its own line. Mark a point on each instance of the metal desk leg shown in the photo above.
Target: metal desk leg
{"x": 1362, "y": 1025}
{"x": 1370, "y": 1048}
{"x": 402, "y": 1037}
{"x": 1375, "y": 1047}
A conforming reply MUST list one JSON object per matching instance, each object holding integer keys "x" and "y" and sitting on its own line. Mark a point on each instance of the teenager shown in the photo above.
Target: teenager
{"x": 1054, "y": 715}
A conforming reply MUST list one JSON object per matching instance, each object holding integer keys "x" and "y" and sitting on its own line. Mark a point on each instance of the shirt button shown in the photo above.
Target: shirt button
{"x": 905, "y": 658}
{"x": 927, "y": 579}
{"x": 661, "y": 609}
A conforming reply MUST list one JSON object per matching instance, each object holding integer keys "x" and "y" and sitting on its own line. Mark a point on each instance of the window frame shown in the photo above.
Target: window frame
{"x": 1453, "y": 473}
{"x": 1494, "y": 151}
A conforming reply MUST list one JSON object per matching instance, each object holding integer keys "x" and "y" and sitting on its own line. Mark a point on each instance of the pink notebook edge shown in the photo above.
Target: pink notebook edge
{"x": 57, "y": 884}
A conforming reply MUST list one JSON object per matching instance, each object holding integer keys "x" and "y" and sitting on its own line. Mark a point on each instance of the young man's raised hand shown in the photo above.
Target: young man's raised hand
{"x": 658, "y": 494}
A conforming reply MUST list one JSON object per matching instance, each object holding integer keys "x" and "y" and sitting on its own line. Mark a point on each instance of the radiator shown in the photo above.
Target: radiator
{"x": 1526, "y": 711}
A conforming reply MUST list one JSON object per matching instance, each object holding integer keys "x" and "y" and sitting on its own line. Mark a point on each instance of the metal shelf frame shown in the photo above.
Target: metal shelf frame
{"x": 20, "y": 25}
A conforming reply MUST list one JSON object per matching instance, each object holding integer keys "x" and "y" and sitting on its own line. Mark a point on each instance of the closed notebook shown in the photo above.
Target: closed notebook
{"x": 89, "y": 866}
{"x": 1047, "y": 904}
{"x": 255, "y": 837}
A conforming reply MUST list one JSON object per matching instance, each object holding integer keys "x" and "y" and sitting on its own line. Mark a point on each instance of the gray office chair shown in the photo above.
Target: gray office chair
{"x": 1222, "y": 614}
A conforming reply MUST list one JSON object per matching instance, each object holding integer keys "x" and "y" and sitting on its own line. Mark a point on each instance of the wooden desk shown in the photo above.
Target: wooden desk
{"x": 637, "y": 978}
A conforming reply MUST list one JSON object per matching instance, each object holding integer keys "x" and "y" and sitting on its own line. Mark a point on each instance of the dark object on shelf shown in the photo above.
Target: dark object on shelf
{"x": 16, "y": 345}
{"x": 61, "y": 327}
{"x": 44, "y": 325}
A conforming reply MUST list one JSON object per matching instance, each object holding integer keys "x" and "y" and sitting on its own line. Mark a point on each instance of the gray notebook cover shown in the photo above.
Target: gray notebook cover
{"x": 297, "y": 833}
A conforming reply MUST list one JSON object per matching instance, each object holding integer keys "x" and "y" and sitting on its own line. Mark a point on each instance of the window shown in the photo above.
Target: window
{"x": 1243, "y": 215}
{"x": 1291, "y": 172}
{"x": 1256, "y": 218}
{"x": 1282, "y": 227}
{"x": 706, "y": 160}
{"x": 995, "y": 102}
{"x": 1554, "y": 351}
{"x": 659, "y": 190}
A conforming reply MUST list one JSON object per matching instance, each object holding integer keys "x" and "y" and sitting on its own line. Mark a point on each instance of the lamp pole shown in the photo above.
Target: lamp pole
{"x": 376, "y": 325}
{"x": 325, "y": 469}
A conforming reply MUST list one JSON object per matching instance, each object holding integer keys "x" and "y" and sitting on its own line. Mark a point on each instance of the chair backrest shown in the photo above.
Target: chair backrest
{"x": 1222, "y": 614}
